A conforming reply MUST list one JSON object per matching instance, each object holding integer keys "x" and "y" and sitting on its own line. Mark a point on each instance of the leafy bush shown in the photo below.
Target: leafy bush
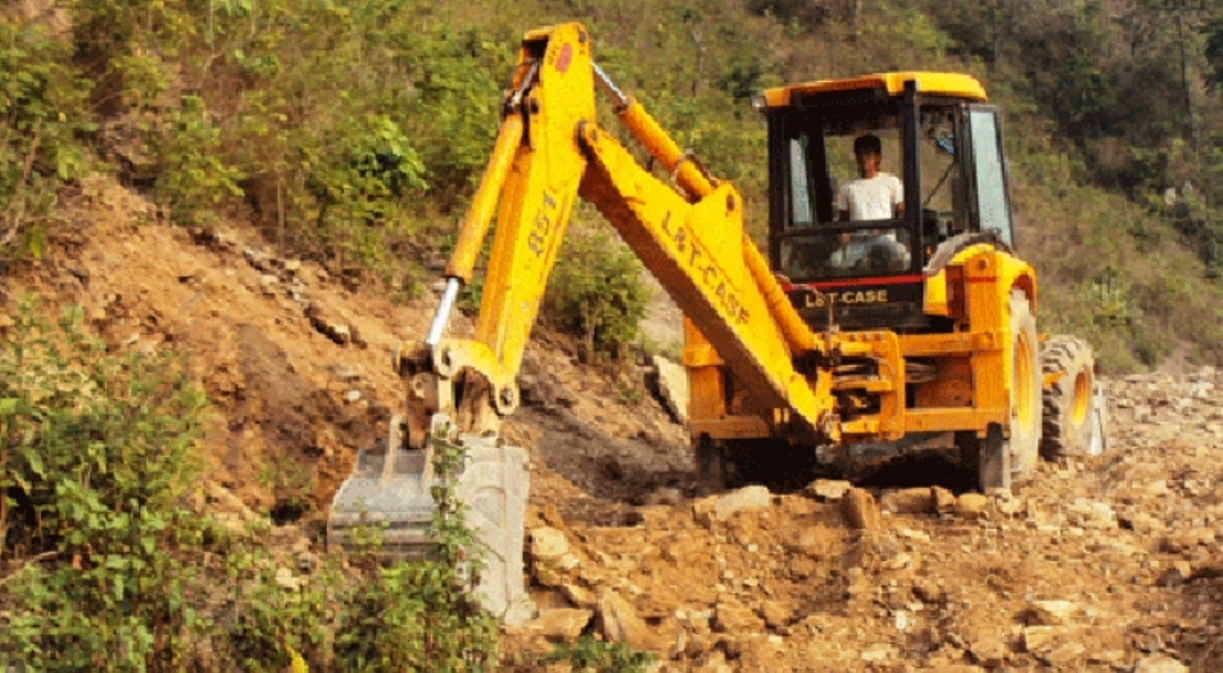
{"x": 272, "y": 622}
{"x": 589, "y": 655}
{"x": 422, "y": 616}
{"x": 95, "y": 455}
{"x": 42, "y": 111}
{"x": 194, "y": 179}
{"x": 596, "y": 293}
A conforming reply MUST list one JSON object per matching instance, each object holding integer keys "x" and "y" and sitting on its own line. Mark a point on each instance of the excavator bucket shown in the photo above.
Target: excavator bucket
{"x": 391, "y": 491}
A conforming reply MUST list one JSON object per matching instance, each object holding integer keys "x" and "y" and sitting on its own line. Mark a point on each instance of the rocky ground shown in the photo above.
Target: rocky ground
{"x": 1104, "y": 563}
{"x": 1108, "y": 563}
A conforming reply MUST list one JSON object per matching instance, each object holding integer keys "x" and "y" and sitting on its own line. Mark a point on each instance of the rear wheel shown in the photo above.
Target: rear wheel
{"x": 1000, "y": 461}
{"x": 1073, "y": 426}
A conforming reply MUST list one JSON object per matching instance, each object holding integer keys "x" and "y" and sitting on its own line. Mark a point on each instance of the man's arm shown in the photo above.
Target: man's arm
{"x": 843, "y": 203}
{"x": 898, "y": 197}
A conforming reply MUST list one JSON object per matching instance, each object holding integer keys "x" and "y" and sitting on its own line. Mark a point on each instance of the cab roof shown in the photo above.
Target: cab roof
{"x": 956, "y": 85}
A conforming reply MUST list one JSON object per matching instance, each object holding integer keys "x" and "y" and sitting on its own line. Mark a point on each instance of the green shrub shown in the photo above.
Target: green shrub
{"x": 193, "y": 179}
{"x": 423, "y": 615}
{"x": 42, "y": 111}
{"x": 596, "y": 293}
{"x": 96, "y": 452}
{"x": 589, "y": 655}
{"x": 271, "y": 621}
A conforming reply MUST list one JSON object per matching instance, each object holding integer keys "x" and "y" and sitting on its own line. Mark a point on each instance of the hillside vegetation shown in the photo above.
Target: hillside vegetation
{"x": 351, "y": 136}
{"x": 355, "y": 134}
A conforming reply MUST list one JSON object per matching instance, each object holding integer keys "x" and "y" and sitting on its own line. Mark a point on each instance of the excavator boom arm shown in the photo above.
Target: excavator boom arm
{"x": 688, "y": 233}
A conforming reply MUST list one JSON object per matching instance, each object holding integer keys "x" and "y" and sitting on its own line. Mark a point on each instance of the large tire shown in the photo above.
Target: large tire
{"x": 999, "y": 461}
{"x": 1073, "y": 426}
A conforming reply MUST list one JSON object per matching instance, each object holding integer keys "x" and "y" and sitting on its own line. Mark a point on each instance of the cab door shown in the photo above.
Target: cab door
{"x": 991, "y": 193}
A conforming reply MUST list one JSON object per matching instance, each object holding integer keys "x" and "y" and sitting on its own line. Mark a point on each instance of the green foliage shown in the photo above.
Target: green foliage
{"x": 292, "y": 483}
{"x": 274, "y": 619}
{"x": 596, "y": 293}
{"x": 345, "y": 129}
{"x": 459, "y": 102}
{"x": 195, "y": 180}
{"x": 95, "y": 455}
{"x": 422, "y": 616}
{"x": 42, "y": 109}
{"x": 589, "y": 655}
{"x": 1214, "y": 50}
{"x": 808, "y": 15}
{"x": 357, "y": 175}
{"x": 901, "y": 33}
{"x": 627, "y": 392}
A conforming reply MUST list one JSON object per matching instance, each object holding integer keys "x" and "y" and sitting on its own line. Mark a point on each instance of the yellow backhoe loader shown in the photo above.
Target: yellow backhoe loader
{"x": 845, "y": 335}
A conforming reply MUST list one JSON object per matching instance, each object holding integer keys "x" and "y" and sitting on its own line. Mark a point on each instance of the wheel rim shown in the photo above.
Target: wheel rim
{"x": 1082, "y": 398}
{"x": 1026, "y": 374}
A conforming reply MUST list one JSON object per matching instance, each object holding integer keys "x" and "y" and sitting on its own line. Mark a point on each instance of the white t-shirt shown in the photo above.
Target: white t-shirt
{"x": 871, "y": 198}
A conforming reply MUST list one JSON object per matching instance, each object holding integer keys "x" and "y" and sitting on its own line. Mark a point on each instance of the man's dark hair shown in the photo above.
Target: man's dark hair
{"x": 868, "y": 143}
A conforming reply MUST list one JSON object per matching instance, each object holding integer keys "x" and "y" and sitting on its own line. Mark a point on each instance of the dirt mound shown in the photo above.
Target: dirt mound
{"x": 296, "y": 363}
{"x": 1103, "y": 563}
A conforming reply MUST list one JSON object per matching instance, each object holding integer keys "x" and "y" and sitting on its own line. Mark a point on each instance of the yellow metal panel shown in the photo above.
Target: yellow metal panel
{"x": 706, "y": 379}
{"x": 934, "y": 345}
{"x": 936, "y": 294}
{"x": 475, "y": 228}
{"x": 733, "y": 427}
{"x": 944, "y": 83}
{"x": 537, "y": 198}
{"x": 946, "y": 420}
{"x": 697, "y": 251}
{"x": 646, "y": 129}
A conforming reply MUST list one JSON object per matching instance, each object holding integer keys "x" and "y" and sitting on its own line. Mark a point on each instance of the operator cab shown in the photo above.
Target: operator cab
{"x": 943, "y": 143}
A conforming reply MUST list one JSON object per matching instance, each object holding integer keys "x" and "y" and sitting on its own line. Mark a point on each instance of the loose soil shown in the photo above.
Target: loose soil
{"x": 1102, "y": 563}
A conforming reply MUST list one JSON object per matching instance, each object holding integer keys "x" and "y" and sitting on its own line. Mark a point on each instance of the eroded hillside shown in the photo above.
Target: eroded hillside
{"x": 1106, "y": 563}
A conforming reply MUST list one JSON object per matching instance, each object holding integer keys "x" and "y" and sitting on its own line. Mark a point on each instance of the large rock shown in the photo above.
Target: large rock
{"x": 1160, "y": 663}
{"x": 722, "y": 508}
{"x": 561, "y": 626}
{"x": 775, "y": 614}
{"x": 328, "y": 323}
{"x": 829, "y": 490}
{"x": 989, "y": 652}
{"x": 1091, "y": 514}
{"x": 731, "y": 616}
{"x": 908, "y": 501}
{"x": 971, "y": 505}
{"x": 944, "y": 500}
{"x": 861, "y": 510}
{"x": 673, "y": 386}
{"x": 1054, "y": 613}
{"x": 1044, "y": 640}
{"x": 620, "y": 623}
{"x": 548, "y": 542}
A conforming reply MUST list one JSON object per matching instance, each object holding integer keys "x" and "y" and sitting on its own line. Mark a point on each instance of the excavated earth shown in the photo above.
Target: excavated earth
{"x": 1108, "y": 563}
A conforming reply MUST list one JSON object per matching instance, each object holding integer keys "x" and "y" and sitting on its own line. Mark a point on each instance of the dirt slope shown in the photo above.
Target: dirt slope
{"x": 1109, "y": 563}
{"x": 1105, "y": 563}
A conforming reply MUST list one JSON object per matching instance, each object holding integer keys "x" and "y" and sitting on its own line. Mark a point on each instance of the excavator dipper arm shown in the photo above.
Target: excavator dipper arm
{"x": 688, "y": 232}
